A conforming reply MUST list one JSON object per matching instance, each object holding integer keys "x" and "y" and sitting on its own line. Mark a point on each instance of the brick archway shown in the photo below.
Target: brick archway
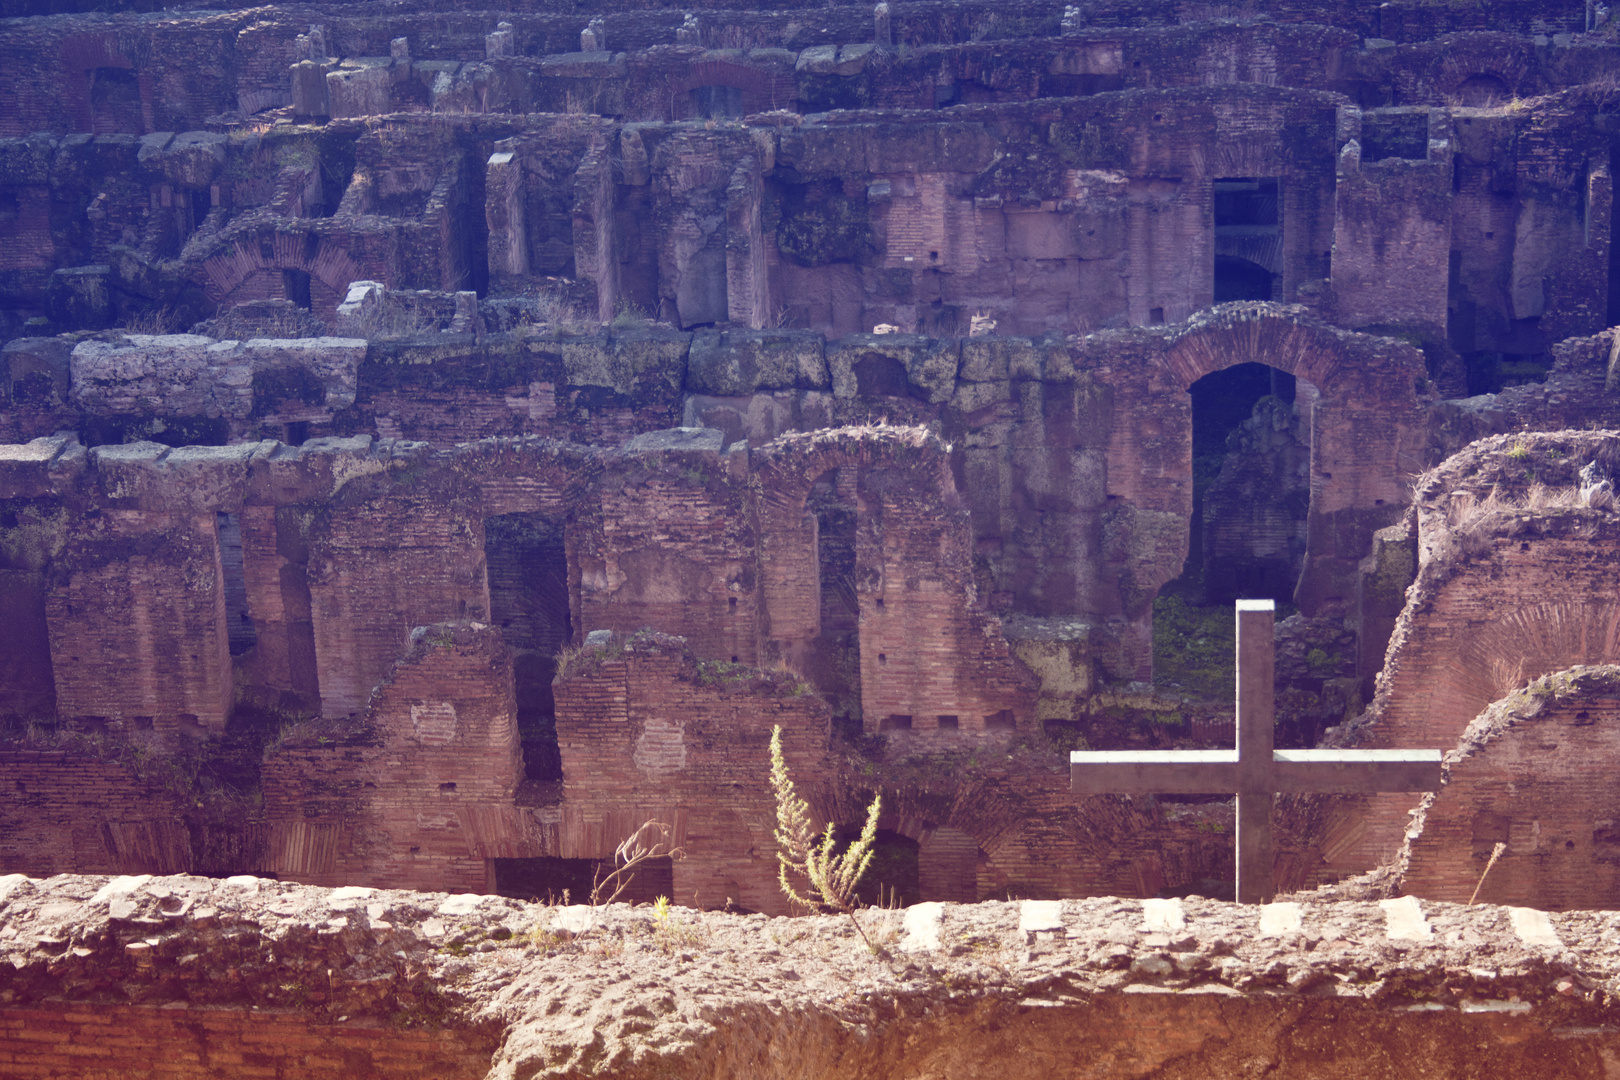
{"x": 1366, "y": 428}
{"x": 762, "y": 90}
{"x": 254, "y": 268}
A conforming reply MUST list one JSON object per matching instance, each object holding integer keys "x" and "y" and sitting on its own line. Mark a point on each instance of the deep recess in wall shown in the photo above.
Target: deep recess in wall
{"x": 528, "y": 600}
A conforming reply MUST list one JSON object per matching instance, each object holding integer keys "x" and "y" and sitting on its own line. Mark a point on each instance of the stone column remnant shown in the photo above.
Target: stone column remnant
{"x": 503, "y": 42}
{"x": 594, "y": 37}
{"x": 503, "y": 211}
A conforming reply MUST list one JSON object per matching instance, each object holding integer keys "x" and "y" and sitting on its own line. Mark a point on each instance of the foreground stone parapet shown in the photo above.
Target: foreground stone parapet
{"x": 267, "y": 975}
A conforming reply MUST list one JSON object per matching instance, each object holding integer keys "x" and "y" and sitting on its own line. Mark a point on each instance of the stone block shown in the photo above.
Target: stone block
{"x": 164, "y": 375}
{"x": 35, "y": 371}
{"x": 27, "y": 161}
{"x": 702, "y": 440}
{"x": 739, "y": 362}
{"x": 1059, "y": 652}
{"x": 80, "y": 297}
{"x": 309, "y": 89}
{"x": 359, "y": 91}
{"x": 333, "y": 361}
{"x": 191, "y": 159}
{"x": 895, "y": 365}
{"x": 996, "y": 359}
{"x": 584, "y": 65}
{"x": 25, "y": 468}
{"x": 637, "y": 363}
{"x": 503, "y": 42}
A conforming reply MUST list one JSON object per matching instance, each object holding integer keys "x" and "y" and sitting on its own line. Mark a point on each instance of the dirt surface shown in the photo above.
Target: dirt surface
{"x": 626, "y": 992}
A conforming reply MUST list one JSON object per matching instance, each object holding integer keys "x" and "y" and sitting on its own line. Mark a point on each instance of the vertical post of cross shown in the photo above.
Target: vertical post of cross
{"x": 1256, "y": 732}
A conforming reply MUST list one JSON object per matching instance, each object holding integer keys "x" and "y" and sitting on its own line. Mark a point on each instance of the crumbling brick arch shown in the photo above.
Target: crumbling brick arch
{"x": 928, "y": 648}
{"x": 760, "y": 90}
{"x": 105, "y": 93}
{"x": 1483, "y": 70}
{"x": 1366, "y": 428}
{"x": 1533, "y": 773}
{"x": 786, "y": 469}
{"x": 1501, "y": 598}
{"x": 268, "y": 266}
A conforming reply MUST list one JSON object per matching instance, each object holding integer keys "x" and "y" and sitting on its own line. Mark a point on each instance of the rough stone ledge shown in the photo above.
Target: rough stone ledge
{"x": 564, "y": 979}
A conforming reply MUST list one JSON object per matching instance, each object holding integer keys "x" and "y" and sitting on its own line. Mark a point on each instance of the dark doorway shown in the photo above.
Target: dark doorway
{"x": 1248, "y": 239}
{"x": 834, "y": 664}
{"x": 115, "y": 102}
{"x": 891, "y": 879}
{"x": 1240, "y": 279}
{"x": 1251, "y": 486}
{"x": 528, "y": 600}
{"x": 1482, "y": 91}
{"x": 718, "y": 102}
{"x": 296, "y": 284}
{"x": 27, "y": 683}
{"x": 238, "y": 623}
{"x": 558, "y": 881}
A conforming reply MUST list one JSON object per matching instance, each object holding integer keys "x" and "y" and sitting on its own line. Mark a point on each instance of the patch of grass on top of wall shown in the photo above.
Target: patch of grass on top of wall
{"x": 1194, "y": 648}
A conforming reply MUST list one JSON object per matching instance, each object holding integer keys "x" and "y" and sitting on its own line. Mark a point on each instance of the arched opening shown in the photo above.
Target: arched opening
{"x": 1251, "y": 444}
{"x": 528, "y": 600}
{"x": 891, "y": 879}
{"x": 833, "y": 663}
{"x": 1482, "y": 91}
{"x": 115, "y": 101}
{"x": 717, "y": 102}
{"x": 1239, "y": 279}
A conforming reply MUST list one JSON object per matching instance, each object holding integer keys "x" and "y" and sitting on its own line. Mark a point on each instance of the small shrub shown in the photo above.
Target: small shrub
{"x": 630, "y": 316}
{"x": 831, "y": 876}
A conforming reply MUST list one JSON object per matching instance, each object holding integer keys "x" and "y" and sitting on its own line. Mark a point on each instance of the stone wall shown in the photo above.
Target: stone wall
{"x": 311, "y": 980}
{"x": 841, "y": 192}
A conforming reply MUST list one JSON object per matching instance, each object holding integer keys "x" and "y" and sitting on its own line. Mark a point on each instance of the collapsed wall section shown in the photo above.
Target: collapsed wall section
{"x": 1515, "y": 540}
{"x": 420, "y": 791}
{"x": 649, "y": 733}
{"x": 1530, "y": 775}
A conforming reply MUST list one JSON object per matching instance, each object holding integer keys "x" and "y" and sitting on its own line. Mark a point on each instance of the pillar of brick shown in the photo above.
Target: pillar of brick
{"x": 137, "y": 622}
{"x": 503, "y": 211}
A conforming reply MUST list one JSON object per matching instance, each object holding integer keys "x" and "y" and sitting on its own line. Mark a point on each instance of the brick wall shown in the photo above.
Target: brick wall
{"x": 928, "y": 647}
{"x": 137, "y": 621}
{"x": 103, "y": 1042}
{"x": 648, "y": 733}
{"x": 380, "y": 567}
{"x": 1504, "y": 594}
{"x": 417, "y": 794}
{"x": 67, "y": 812}
{"x": 1532, "y": 772}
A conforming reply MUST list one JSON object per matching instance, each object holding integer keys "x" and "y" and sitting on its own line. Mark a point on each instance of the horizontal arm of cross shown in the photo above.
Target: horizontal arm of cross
{"x": 1153, "y": 772}
{"x": 1350, "y": 772}
{"x": 1215, "y": 772}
